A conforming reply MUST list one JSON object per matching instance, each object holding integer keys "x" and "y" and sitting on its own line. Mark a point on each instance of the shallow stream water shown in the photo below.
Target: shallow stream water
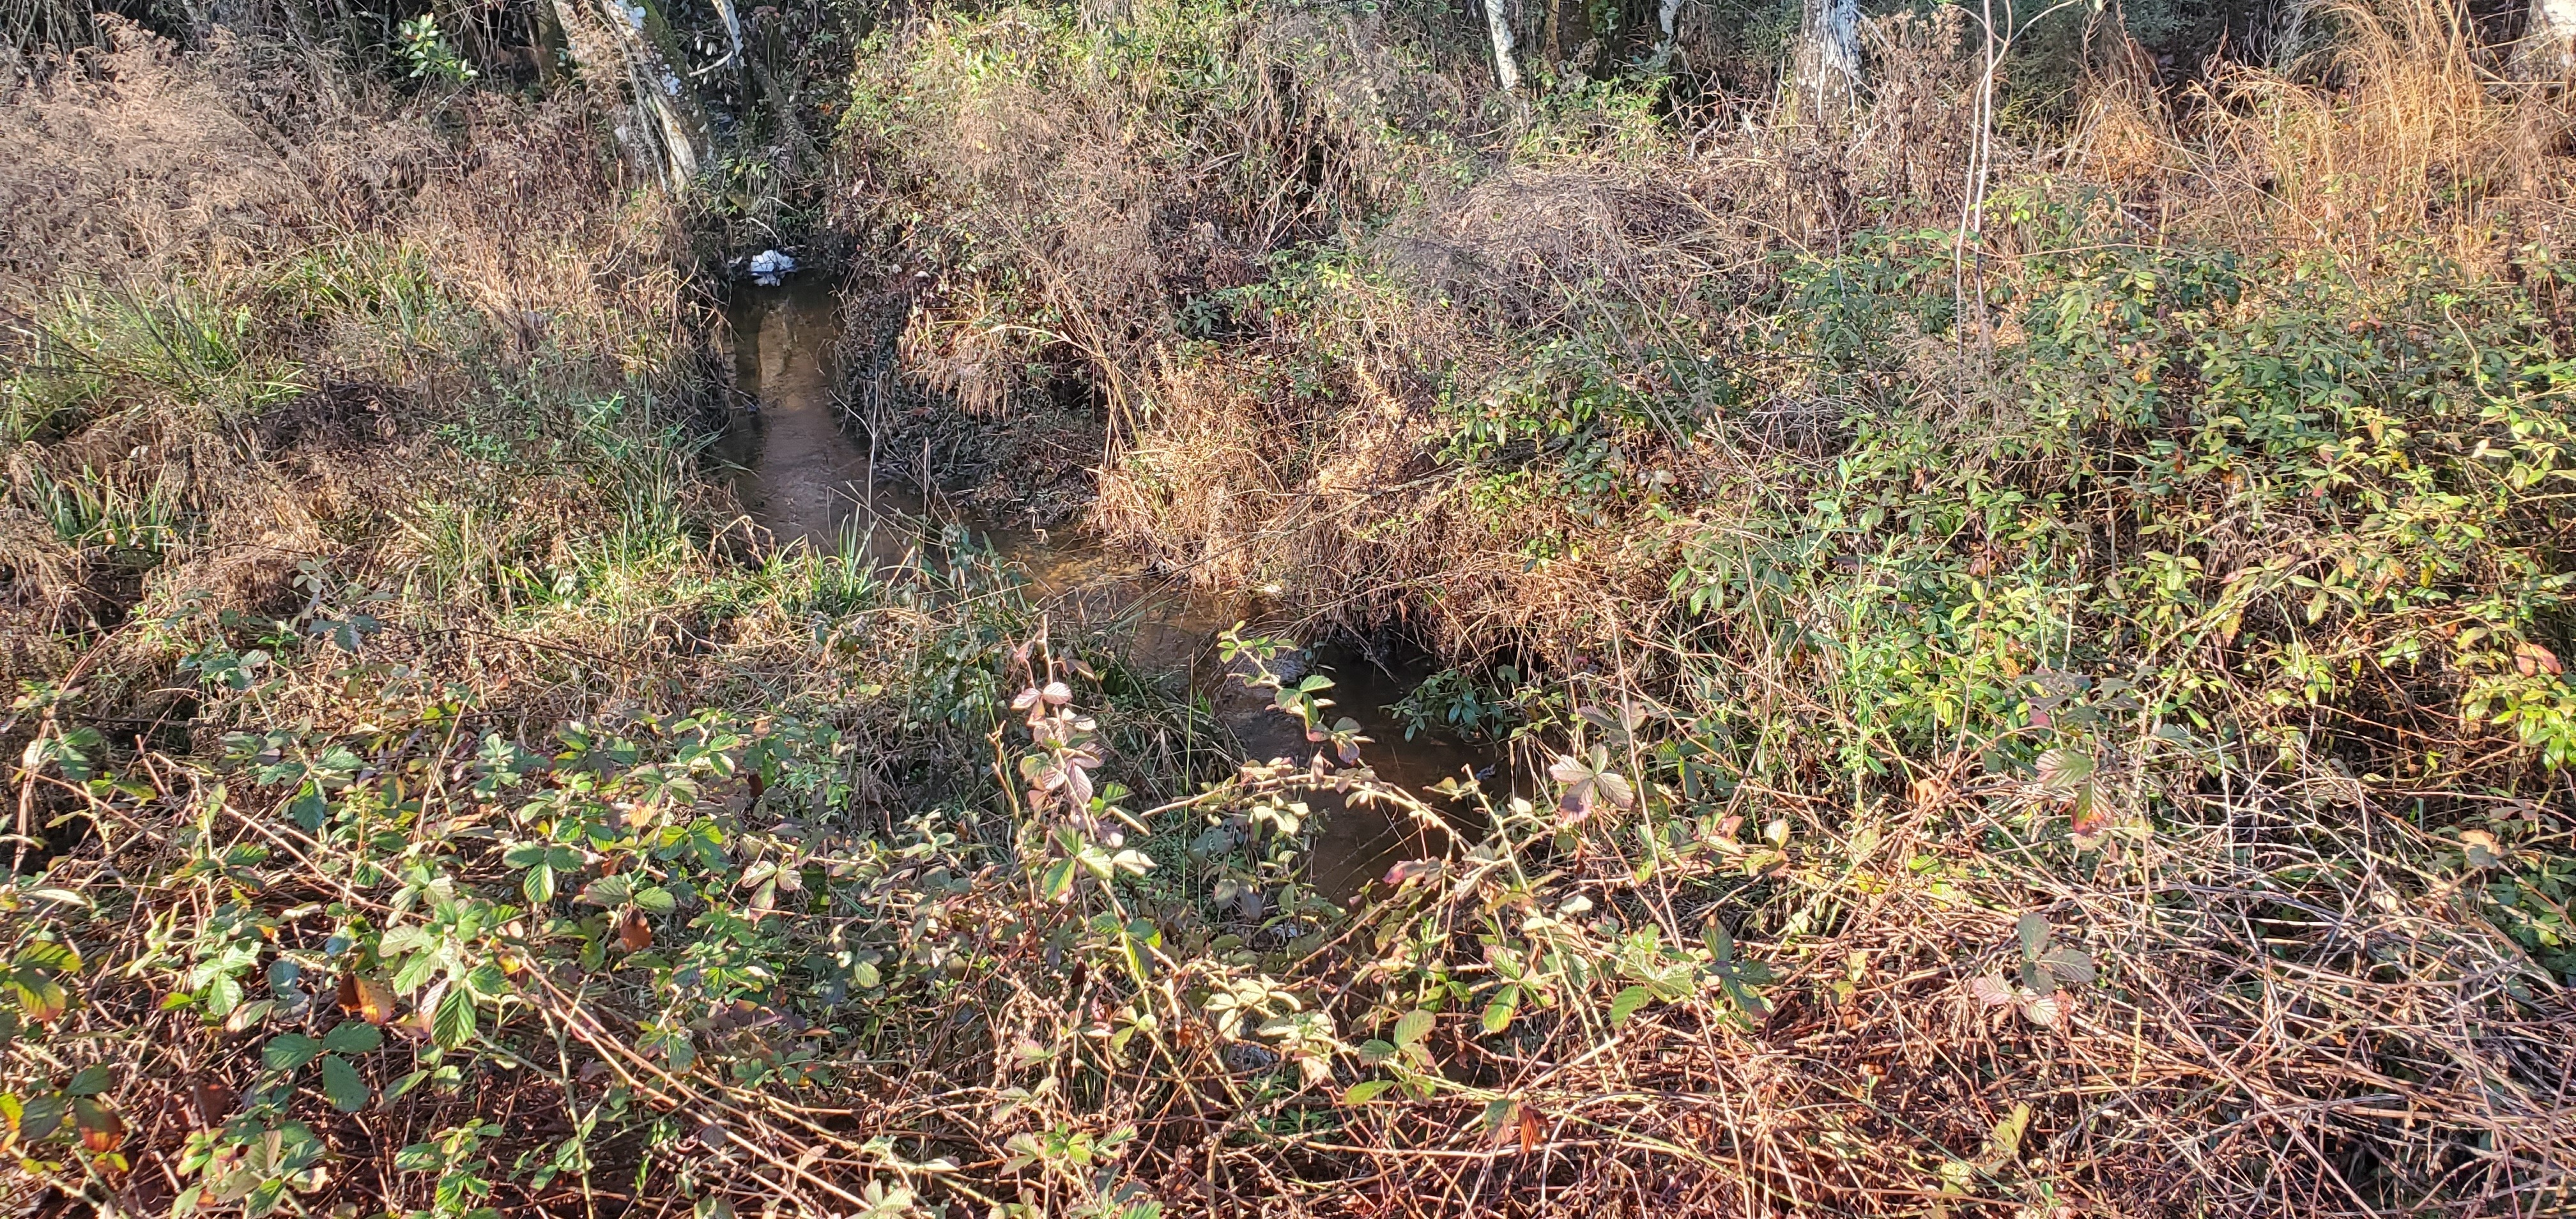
{"x": 809, "y": 480}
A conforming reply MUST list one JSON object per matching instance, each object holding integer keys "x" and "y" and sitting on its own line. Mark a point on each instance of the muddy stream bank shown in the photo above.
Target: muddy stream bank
{"x": 809, "y": 479}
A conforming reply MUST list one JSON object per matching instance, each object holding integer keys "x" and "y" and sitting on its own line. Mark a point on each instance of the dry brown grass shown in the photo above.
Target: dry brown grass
{"x": 2214, "y": 1085}
{"x": 1327, "y": 489}
{"x": 2305, "y": 1009}
{"x": 2312, "y": 1014}
{"x": 2288, "y": 1028}
{"x": 1236, "y": 481}
{"x": 2403, "y": 131}
{"x": 365, "y": 258}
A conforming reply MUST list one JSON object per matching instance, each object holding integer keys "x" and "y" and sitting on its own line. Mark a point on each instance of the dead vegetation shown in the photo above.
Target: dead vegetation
{"x": 1402, "y": 421}
{"x": 247, "y": 296}
{"x": 2048, "y": 689}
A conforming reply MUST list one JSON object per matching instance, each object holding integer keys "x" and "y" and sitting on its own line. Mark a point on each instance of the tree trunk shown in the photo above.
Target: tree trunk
{"x": 1825, "y": 75}
{"x": 1498, "y": 20}
{"x": 1570, "y": 48}
{"x": 630, "y": 40}
{"x": 2548, "y": 47}
{"x": 1668, "y": 15}
{"x": 768, "y": 48}
{"x": 546, "y": 45}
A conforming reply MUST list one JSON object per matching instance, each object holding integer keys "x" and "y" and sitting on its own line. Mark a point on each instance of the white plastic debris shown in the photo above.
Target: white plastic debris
{"x": 768, "y": 266}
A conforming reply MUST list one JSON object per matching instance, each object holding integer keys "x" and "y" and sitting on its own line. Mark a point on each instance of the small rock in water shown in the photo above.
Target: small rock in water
{"x": 768, "y": 266}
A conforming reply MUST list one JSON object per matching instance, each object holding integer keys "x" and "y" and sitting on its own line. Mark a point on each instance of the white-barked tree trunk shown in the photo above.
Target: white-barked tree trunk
{"x": 1498, "y": 21}
{"x": 630, "y": 39}
{"x": 1825, "y": 73}
{"x": 2548, "y": 48}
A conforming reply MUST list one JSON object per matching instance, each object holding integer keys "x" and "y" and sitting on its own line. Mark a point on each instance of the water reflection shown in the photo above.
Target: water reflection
{"x": 801, "y": 475}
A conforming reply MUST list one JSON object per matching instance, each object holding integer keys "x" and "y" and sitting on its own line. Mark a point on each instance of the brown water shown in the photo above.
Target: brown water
{"x": 809, "y": 481}
{"x": 802, "y": 476}
{"x": 1357, "y": 844}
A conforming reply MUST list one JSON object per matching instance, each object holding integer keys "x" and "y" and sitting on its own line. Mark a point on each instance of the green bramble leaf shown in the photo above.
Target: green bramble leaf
{"x": 525, "y": 855}
{"x": 91, "y": 1080}
{"x": 2070, "y": 966}
{"x": 453, "y": 1024}
{"x": 39, "y": 1116}
{"x": 1746, "y": 1000}
{"x": 406, "y": 1084}
{"x": 76, "y": 753}
{"x": 1057, "y": 881}
{"x": 1413, "y": 1027}
{"x": 2033, "y": 929}
{"x": 352, "y": 1037}
{"x": 486, "y": 981}
{"x": 221, "y": 996}
{"x": 341, "y": 1083}
{"x": 2060, "y": 770}
{"x": 41, "y": 998}
{"x": 287, "y": 1051}
{"x": 1628, "y": 1003}
{"x": 415, "y": 971}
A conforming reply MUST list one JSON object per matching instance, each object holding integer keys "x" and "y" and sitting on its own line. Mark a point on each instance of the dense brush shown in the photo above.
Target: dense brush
{"x": 2028, "y": 617}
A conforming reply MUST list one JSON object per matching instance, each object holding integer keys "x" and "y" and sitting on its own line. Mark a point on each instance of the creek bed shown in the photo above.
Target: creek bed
{"x": 807, "y": 480}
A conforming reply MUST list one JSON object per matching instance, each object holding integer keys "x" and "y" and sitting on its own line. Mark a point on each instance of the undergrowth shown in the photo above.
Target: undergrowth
{"x": 2033, "y": 664}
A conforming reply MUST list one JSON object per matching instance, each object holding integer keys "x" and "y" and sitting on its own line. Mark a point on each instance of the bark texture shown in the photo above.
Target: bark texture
{"x": 2548, "y": 48}
{"x": 1498, "y": 21}
{"x": 629, "y": 42}
{"x": 1825, "y": 76}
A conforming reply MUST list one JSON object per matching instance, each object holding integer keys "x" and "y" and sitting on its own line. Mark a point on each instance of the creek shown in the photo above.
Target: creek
{"x": 807, "y": 479}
